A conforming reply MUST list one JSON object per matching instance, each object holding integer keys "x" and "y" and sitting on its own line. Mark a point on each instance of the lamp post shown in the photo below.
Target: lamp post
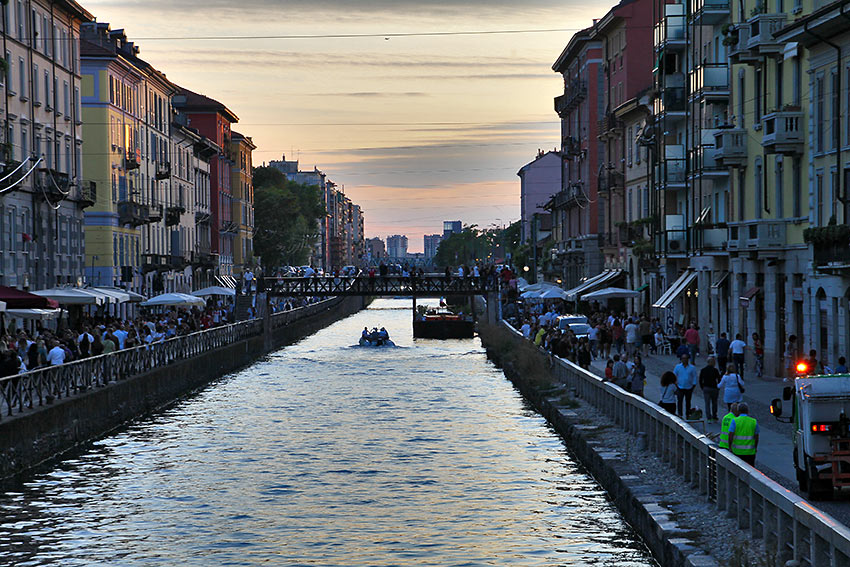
{"x": 94, "y": 258}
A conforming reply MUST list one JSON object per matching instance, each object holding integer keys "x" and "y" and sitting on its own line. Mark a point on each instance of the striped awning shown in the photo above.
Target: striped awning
{"x": 595, "y": 282}
{"x": 675, "y": 290}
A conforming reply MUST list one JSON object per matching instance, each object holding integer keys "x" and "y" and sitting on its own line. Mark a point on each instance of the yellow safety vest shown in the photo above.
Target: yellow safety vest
{"x": 724, "y": 430}
{"x": 744, "y": 442}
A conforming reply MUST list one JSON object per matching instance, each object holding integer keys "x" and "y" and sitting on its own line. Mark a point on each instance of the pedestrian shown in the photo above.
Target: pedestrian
{"x": 637, "y": 380}
{"x": 709, "y": 378}
{"x": 632, "y": 338}
{"x": 721, "y": 347}
{"x": 724, "y": 425}
{"x": 592, "y": 337}
{"x": 686, "y": 381}
{"x": 584, "y": 356}
{"x": 692, "y": 340}
{"x": 609, "y": 370}
{"x": 744, "y": 435}
{"x": 732, "y": 386}
{"x": 620, "y": 370}
{"x": 758, "y": 351}
{"x": 618, "y": 335}
{"x": 668, "y": 392}
{"x": 842, "y": 366}
{"x": 645, "y": 331}
{"x": 736, "y": 352}
{"x": 790, "y": 356}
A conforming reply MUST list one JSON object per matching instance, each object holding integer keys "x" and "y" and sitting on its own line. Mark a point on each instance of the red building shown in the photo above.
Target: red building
{"x": 213, "y": 120}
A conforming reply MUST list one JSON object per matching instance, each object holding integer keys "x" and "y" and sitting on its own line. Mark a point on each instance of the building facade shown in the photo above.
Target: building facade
{"x": 44, "y": 192}
{"x": 539, "y": 181}
{"x": 452, "y": 227}
{"x": 397, "y": 246}
{"x": 242, "y": 148}
{"x": 432, "y": 243}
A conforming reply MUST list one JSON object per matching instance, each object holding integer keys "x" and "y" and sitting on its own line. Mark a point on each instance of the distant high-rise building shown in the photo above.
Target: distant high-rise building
{"x": 432, "y": 242}
{"x": 451, "y": 227}
{"x": 375, "y": 248}
{"x": 397, "y": 246}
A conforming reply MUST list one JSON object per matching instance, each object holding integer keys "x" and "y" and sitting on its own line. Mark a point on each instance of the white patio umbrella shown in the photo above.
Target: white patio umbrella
{"x": 553, "y": 293}
{"x": 215, "y": 290}
{"x": 2, "y": 306}
{"x": 530, "y": 294}
{"x": 610, "y": 293}
{"x": 38, "y": 314}
{"x": 72, "y": 296}
{"x": 174, "y": 299}
{"x": 114, "y": 294}
{"x": 133, "y": 297}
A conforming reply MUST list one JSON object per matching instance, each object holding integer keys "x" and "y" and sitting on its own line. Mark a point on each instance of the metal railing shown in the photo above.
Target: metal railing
{"x": 42, "y": 386}
{"x": 790, "y": 526}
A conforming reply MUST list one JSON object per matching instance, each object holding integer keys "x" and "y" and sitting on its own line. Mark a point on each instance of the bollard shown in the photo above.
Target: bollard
{"x": 642, "y": 443}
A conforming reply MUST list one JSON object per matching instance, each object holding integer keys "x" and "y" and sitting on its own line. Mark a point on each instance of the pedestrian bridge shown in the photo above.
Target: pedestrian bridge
{"x": 391, "y": 286}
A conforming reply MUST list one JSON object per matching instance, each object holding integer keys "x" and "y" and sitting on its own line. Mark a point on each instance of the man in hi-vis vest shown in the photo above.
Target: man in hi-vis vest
{"x": 744, "y": 435}
{"x": 725, "y": 423}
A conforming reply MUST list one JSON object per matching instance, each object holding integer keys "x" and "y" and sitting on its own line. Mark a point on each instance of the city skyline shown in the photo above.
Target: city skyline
{"x": 408, "y": 125}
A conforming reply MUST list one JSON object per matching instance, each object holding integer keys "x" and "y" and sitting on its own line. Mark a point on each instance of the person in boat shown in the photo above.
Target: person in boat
{"x": 383, "y": 334}
{"x": 365, "y": 333}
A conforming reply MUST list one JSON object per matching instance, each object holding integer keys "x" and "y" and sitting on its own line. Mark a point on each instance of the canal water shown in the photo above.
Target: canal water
{"x": 327, "y": 454}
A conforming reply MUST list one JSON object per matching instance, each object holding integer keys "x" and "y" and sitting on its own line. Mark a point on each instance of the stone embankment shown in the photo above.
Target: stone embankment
{"x": 692, "y": 503}
{"x": 56, "y": 409}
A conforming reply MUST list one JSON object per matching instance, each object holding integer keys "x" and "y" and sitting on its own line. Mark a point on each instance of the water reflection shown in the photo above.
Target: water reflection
{"x": 325, "y": 454}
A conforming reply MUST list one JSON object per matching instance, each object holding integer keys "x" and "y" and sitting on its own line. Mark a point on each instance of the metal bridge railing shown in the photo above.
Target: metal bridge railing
{"x": 424, "y": 286}
{"x": 44, "y": 385}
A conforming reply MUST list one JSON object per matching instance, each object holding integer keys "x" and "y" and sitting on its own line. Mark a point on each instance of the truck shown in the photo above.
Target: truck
{"x": 820, "y": 406}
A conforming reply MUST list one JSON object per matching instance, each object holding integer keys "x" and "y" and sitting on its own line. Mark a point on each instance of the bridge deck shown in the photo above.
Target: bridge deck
{"x": 425, "y": 286}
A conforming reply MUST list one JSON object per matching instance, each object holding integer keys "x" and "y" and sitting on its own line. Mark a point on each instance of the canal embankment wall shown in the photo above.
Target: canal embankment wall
{"x": 784, "y": 526}
{"x": 55, "y": 409}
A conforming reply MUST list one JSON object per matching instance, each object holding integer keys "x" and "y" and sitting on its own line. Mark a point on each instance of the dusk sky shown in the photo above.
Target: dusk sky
{"x": 418, "y": 129}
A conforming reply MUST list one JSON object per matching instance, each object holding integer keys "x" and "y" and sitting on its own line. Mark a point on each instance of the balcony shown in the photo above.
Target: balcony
{"x": 610, "y": 127}
{"x": 710, "y": 82}
{"x": 704, "y": 163}
{"x": 781, "y": 133}
{"x": 574, "y": 94}
{"x": 671, "y": 170}
{"x": 762, "y": 30}
{"x": 737, "y": 40}
{"x": 133, "y": 214}
{"x": 87, "y": 194}
{"x": 53, "y": 185}
{"x": 709, "y": 12}
{"x": 202, "y": 217}
{"x": 710, "y": 239}
{"x": 569, "y": 196}
{"x": 760, "y": 235}
{"x": 133, "y": 160}
{"x": 571, "y": 147}
{"x": 203, "y": 259}
{"x": 163, "y": 171}
{"x": 155, "y": 212}
{"x": 612, "y": 180}
{"x": 671, "y": 103}
{"x": 670, "y": 31}
{"x": 178, "y": 261}
{"x": 671, "y": 242}
{"x": 833, "y": 257}
{"x": 730, "y": 147}
{"x": 172, "y": 215}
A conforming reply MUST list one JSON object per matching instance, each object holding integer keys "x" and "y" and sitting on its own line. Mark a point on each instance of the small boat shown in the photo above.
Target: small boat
{"x": 376, "y": 343}
{"x": 442, "y": 323}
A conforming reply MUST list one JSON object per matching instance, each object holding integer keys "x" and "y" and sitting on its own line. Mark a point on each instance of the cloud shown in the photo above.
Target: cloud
{"x": 372, "y": 94}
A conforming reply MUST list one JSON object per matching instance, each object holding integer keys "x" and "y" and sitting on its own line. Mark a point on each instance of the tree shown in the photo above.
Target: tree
{"x": 286, "y": 216}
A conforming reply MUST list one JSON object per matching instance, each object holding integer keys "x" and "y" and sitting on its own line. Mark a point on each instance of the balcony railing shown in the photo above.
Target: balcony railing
{"x": 710, "y": 80}
{"x": 710, "y": 239}
{"x": 782, "y": 132}
{"x": 670, "y": 31}
{"x": 172, "y": 215}
{"x": 671, "y": 99}
{"x": 762, "y": 30}
{"x": 707, "y": 12}
{"x": 87, "y": 194}
{"x": 704, "y": 162}
{"x": 671, "y": 242}
{"x": 610, "y": 125}
{"x": 155, "y": 212}
{"x": 133, "y": 214}
{"x": 832, "y": 257}
{"x": 731, "y": 147}
{"x": 573, "y": 95}
{"x": 204, "y": 259}
{"x": 612, "y": 181}
{"x": 568, "y": 196}
{"x": 737, "y": 40}
{"x": 163, "y": 171}
{"x": 761, "y": 235}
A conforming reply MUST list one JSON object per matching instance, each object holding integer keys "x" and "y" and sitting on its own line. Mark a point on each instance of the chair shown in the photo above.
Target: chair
{"x": 666, "y": 347}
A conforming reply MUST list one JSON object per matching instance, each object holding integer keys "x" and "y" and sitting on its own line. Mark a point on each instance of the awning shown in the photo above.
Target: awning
{"x": 719, "y": 281}
{"x": 703, "y": 216}
{"x": 17, "y": 299}
{"x": 750, "y": 293}
{"x": 132, "y": 296}
{"x": 791, "y": 50}
{"x": 680, "y": 285}
{"x": 114, "y": 295}
{"x": 73, "y": 296}
{"x": 36, "y": 314}
{"x": 595, "y": 282}
{"x": 226, "y": 281}
{"x": 643, "y": 287}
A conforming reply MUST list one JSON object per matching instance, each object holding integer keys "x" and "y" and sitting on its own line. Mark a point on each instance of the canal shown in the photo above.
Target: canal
{"x": 327, "y": 454}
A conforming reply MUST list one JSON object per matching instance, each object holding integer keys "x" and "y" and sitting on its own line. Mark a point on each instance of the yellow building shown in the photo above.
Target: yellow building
{"x": 127, "y": 117}
{"x": 243, "y": 201}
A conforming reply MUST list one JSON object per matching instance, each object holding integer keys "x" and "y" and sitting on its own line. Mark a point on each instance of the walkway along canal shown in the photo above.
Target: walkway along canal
{"x": 325, "y": 453}
{"x": 47, "y": 411}
{"x": 787, "y": 526}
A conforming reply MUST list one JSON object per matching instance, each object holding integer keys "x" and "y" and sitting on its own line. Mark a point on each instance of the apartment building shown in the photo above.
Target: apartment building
{"x": 243, "y": 201}
{"x": 44, "y": 193}
{"x": 127, "y": 118}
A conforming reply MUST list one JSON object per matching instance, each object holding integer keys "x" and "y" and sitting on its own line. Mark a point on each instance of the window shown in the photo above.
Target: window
{"x": 35, "y": 94}
{"x": 797, "y": 185}
{"x": 23, "y": 78}
{"x": 833, "y": 194}
{"x": 797, "y": 79}
{"x": 628, "y": 137}
{"x": 25, "y": 147}
{"x": 9, "y": 69}
{"x": 757, "y": 97}
{"x": 21, "y": 21}
{"x": 835, "y": 126}
{"x": 818, "y": 212}
{"x": 758, "y": 188}
{"x": 780, "y": 188}
{"x": 741, "y": 98}
{"x": 67, "y": 100}
{"x": 47, "y": 89}
{"x": 778, "y": 85}
{"x": 77, "y": 110}
{"x": 819, "y": 114}
{"x": 741, "y": 195}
